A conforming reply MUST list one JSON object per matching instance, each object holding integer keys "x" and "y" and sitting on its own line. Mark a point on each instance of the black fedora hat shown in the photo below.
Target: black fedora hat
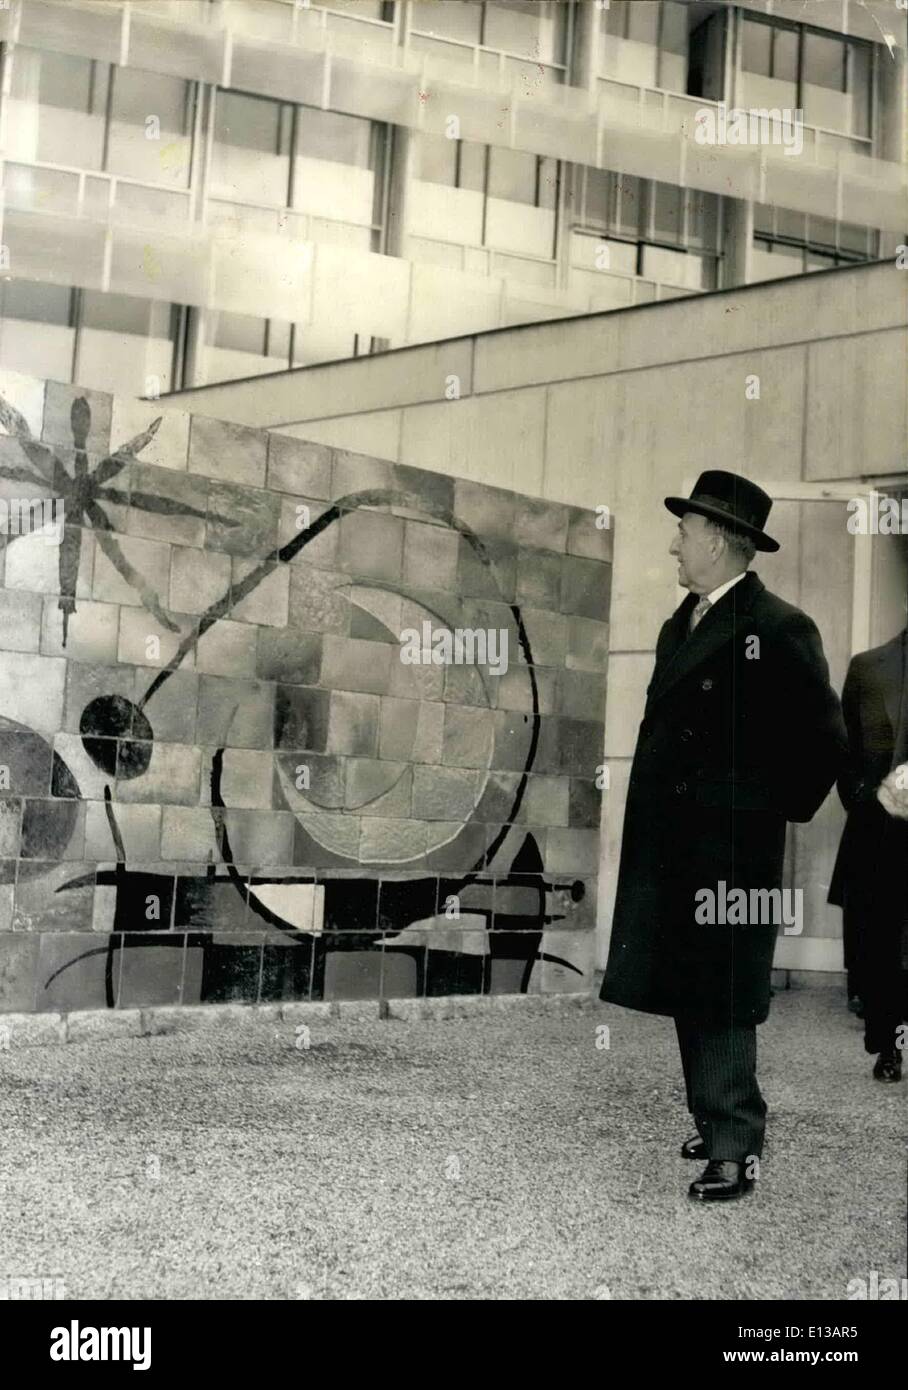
{"x": 733, "y": 501}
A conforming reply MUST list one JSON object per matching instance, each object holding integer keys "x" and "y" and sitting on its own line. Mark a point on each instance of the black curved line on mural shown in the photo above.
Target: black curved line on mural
{"x": 217, "y": 804}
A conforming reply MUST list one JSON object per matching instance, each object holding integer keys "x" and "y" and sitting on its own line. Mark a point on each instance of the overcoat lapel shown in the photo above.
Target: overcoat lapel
{"x": 894, "y": 660}
{"x": 717, "y": 627}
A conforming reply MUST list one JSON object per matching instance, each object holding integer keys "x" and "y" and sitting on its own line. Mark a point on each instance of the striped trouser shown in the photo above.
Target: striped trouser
{"x": 720, "y": 1074}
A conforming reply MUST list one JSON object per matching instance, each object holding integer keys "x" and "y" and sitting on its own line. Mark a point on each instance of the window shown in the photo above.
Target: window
{"x": 150, "y": 134}
{"x": 637, "y": 20}
{"x": 37, "y": 303}
{"x": 113, "y": 342}
{"x": 789, "y": 243}
{"x": 646, "y": 42}
{"x": 277, "y": 154}
{"x": 673, "y": 233}
{"x": 827, "y": 77}
{"x": 57, "y": 108}
{"x": 462, "y": 21}
{"x": 330, "y": 136}
{"x": 455, "y": 163}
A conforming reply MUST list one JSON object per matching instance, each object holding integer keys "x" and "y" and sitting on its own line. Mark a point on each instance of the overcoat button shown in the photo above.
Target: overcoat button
{"x": 681, "y": 788}
{"x": 687, "y": 735}
{"x": 707, "y": 684}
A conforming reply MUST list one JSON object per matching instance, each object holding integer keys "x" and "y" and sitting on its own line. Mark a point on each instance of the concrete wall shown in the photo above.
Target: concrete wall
{"x": 219, "y": 777}
{"x": 793, "y": 383}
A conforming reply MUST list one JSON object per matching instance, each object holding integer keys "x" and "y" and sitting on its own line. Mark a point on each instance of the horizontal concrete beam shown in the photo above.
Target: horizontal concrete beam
{"x": 802, "y": 309}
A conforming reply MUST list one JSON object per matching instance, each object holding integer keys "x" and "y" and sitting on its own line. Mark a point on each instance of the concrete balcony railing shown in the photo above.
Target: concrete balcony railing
{"x": 362, "y": 71}
{"x": 105, "y": 232}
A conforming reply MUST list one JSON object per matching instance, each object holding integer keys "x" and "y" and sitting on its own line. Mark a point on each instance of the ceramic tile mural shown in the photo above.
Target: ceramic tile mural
{"x": 281, "y": 722}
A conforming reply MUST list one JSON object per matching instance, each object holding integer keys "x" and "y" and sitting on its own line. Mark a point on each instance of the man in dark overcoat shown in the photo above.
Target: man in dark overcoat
{"x": 870, "y": 880}
{"x": 741, "y": 733}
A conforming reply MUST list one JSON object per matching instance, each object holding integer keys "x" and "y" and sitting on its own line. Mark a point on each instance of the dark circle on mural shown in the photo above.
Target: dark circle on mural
{"x": 110, "y": 723}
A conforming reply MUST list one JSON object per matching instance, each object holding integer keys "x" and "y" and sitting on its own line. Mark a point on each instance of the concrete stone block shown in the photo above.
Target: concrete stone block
{"x": 169, "y": 446}
{"x": 150, "y": 558}
{"x": 32, "y": 1030}
{"x": 319, "y": 600}
{"x": 172, "y": 777}
{"x": 92, "y": 632}
{"x": 242, "y": 520}
{"x": 20, "y": 617}
{"x": 468, "y": 737}
{"x": 230, "y": 452}
{"x": 442, "y": 792}
{"x": 586, "y": 588}
{"x": 371, "y": 545}
{"x": 299, "y": 467}
{"x": 539, "y": 579}
{"x": 239, "y": 713}
{"x": 289, "y": 656}
{"x": 268, "y": 603}
{"x": 144, "y": 641}
{"x": 198, "y": 578}
{"x": 184, "y": 496}
{"x": 228, "y": 649}
{"x": 430, "y": 556}
{"x": 355, "y": 665}
{"x": 301, "y": 719}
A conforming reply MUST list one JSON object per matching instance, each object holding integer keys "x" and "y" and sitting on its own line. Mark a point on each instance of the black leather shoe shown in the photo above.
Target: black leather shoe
{"x": 694, "y": 1148}
{"x": 888, "y": 1067}
{"x": 721, "y": 1181}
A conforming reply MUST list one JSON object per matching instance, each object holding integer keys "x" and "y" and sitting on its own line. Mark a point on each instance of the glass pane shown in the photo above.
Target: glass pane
{"x": 821, "y": 231}
{"x": 763, "y": 218}
{"x": 600, "y": 197}
{"x": 756, "y": 48}
{"x": 150, "y": 127}
{"x": 331, "y": 136}
{"x": 39, "y": 303}
{"x": 512, "y": 175}
{"x": 245, "y": 163}
{"x": 56, "y": 108}
{"x": 667, "y": 212}
{"x": 437, "y": 160}
{"x": 548, "y": 183}
{"x": 855, "y": 238}
{"x": 472, "y": 166}
{"x": 252, "y": 123}
{"x": 785, "y": 55}
{"x": 511, "y": 28}
{"x": 615, "y": 18}
{"x": 240, "y": 332}
{"x": 629, "y": 204}
{"x": 125, "y": 313}
{"x": 824, "y": 62}
{"x": 643, "y": 21}
{"x": 859, "y": 87}
{"x": 702, "y": 219}
{"x": 459, "y": 20}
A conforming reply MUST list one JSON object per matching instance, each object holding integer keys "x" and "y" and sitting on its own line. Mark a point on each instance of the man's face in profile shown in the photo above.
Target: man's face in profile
{"x": 693, "y": 550}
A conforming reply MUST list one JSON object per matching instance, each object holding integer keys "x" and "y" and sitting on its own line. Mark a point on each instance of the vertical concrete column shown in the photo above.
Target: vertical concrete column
{"x": 892, "y": 118}
{"x": 400, "y": 178}
{"x": 738, "y": 235}
{"x": 194, "y": 347}
{"x": 583, "y": 60}
{"x": 892, "y": 88}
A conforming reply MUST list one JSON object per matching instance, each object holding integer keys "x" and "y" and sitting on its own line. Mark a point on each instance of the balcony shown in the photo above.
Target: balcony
{"x": 351, "y": 63}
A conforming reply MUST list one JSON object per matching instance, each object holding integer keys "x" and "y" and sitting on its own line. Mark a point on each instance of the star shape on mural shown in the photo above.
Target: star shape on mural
{"x": 82, "y": 492}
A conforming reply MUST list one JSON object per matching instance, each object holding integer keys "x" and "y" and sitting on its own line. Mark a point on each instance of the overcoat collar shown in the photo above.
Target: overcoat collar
{"x": 685, "y": 650}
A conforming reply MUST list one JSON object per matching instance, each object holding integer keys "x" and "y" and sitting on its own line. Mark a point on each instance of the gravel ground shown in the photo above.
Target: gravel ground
{"x": 505, "y": 1156}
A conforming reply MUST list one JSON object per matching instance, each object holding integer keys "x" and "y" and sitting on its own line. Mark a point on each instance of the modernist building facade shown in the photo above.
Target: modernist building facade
{"x": 207, "y": 189}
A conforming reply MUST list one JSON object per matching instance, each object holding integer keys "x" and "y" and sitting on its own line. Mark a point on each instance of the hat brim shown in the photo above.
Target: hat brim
{"x": 679, "y": 505}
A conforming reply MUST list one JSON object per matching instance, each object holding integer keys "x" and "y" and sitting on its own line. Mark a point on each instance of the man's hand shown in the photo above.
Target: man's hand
{"x": 892, "y": 793}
